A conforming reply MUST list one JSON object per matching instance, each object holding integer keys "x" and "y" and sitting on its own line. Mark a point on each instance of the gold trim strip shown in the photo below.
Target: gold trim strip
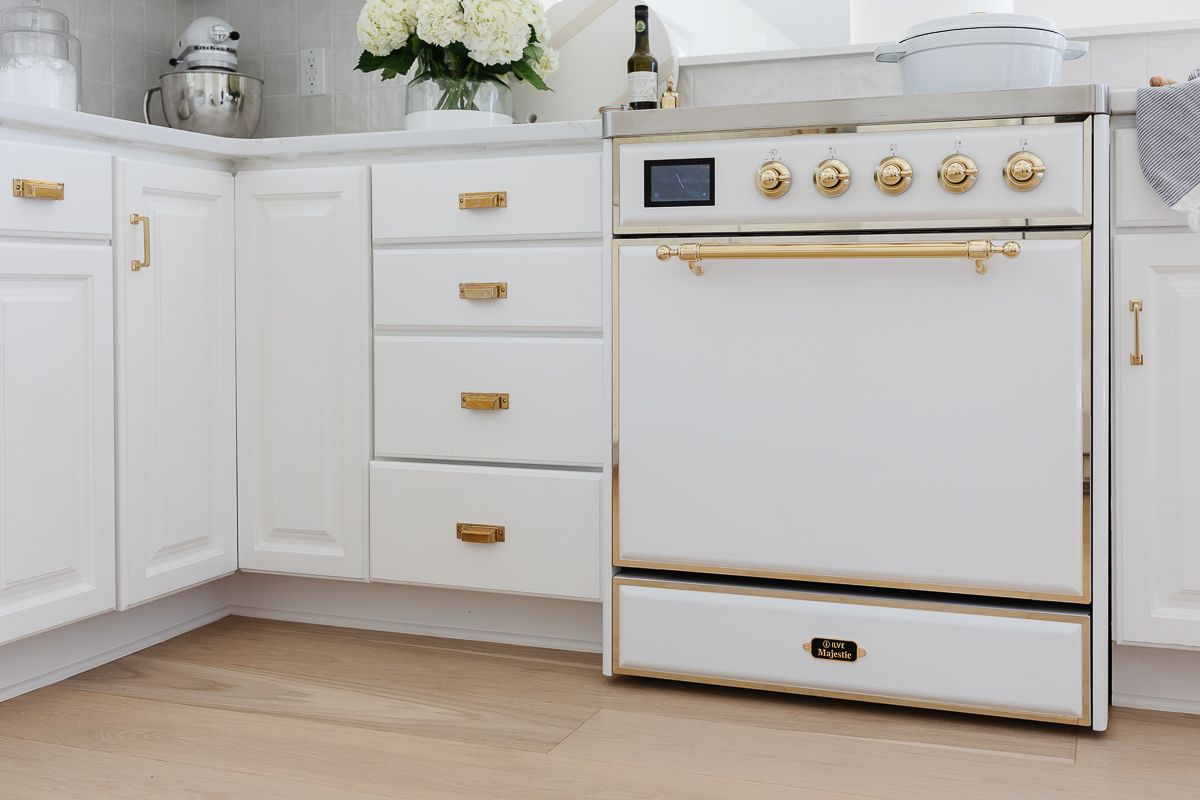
{"x": 1081, "y": 619}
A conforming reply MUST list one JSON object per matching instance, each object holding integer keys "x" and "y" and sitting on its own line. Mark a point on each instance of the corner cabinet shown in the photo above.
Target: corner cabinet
{"x": 176, "y": 426}
{"x": 56, "y": 436}
{"x": 1156, "y": 441}
{"x": 304, "y": 349}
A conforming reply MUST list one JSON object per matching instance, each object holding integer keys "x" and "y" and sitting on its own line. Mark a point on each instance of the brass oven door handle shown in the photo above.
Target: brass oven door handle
{"x": 483, "y": 401}
{"x": 468, "y": 200}
{"x": 38, "y": 190}
{"x": 483, "y": 291}
{"x": 977, "y": 251}
{"x": 1136, "y": 358}
{"x": 479, "y": 534}
{"x": 138, "y": 219}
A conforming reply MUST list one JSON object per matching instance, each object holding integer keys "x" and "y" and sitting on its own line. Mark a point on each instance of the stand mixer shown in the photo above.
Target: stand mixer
{"x": 208, "y": 95}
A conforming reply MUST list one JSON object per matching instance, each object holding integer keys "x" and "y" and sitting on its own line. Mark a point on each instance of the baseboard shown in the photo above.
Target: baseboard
{"x": 1150, "y": 703}
{"x": 58, "y": 654}
{"x": 418, "y": 629}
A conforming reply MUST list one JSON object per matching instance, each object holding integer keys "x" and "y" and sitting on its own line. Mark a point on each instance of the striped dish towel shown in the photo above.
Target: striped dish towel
{"x": 1168, "y": 126}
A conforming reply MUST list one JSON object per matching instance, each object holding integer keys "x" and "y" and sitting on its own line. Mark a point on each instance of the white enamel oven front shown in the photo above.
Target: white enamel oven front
{"x": 900, "y": 423}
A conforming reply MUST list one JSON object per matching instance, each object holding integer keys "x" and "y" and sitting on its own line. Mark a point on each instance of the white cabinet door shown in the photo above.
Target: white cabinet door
{"x": 176, "y": 413}
{"x": 304, "y": 347}
{"x": 1156, "y": 486}
{"x": 56, "y": 436}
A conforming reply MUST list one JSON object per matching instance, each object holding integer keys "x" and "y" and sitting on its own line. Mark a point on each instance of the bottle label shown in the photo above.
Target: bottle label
{"x": 640, "y": 26}
{"x": 643, "y": 87}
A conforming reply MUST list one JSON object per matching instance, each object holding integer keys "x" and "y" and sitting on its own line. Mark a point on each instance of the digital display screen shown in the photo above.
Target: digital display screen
{"x": 680, "y": 182}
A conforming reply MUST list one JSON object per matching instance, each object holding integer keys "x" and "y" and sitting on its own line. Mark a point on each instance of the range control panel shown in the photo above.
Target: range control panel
{"x": 998, "y": 176}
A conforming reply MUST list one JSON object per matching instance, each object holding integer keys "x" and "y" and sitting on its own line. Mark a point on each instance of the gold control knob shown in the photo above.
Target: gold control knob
{"x": 831, "y": 177}
{"x": 1024, "y": 171}
{"x": 774, "y": 179}
{"x": 893, "y": 175}
{"x": 957, "y": 173}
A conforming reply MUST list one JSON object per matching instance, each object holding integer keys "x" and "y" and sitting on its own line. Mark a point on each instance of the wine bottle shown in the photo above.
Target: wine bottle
{"x": 642, "y": 66}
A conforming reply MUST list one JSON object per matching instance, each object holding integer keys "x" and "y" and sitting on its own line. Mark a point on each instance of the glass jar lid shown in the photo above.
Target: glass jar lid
{"x": 33, "y": 16}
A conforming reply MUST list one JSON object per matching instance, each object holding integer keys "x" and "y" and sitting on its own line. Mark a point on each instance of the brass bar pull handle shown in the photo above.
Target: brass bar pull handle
{"x": 978, "y": 251}
{"x": 484, "y": 401}
{"x": 38, "y": 190}
{"x": 468, "y": 200}
{"x": 1136, "y": 358}
{"x": 479, "y": 534}
{"x": 138, "y": 219}
{"x": 483, "y": 291}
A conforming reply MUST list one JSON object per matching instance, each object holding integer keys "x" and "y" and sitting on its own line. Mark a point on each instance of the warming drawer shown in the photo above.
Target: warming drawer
{"x": 958, "y": 657}
{"x": 895, "y": 422}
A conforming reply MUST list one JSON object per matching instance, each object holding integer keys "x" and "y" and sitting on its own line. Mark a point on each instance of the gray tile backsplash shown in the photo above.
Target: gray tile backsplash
{"x": 126, "y": 44}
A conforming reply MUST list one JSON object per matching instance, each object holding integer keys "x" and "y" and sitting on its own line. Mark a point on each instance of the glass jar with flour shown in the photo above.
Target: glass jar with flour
{"x": 40, "y": 61}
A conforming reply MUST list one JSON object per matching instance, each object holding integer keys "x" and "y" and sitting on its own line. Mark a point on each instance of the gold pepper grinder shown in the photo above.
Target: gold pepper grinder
{"x": 670, "y": 98}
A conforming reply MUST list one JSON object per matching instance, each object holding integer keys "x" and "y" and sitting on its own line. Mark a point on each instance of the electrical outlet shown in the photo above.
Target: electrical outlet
{"x": 312, "y": 72}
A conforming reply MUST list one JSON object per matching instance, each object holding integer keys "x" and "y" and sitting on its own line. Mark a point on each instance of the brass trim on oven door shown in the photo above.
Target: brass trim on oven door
{"x": 983, "y": 591}
{"x": 800, "y": 226}
{"x": 1084, "y": 620}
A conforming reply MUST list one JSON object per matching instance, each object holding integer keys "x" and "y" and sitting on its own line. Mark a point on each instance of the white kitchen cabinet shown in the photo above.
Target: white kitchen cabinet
{"x": 56, "y": 436}
{"x": 304, "y": 349}
{"x": 1156, "y": 503}
{"x": 176, "y": 412}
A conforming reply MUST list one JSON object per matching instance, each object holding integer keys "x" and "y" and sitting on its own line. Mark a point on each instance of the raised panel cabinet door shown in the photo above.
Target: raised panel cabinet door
{"x": 176, "y": 404}
{"x": 1156, "y": 459}
{"x": 304, "y": 347}
{"x": 56, "y": 436}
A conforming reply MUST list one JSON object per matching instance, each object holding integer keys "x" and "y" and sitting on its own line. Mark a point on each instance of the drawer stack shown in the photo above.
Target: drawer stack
{"x": 489, "y": 437}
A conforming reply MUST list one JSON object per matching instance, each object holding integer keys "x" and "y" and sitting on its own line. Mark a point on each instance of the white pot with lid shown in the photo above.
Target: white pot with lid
{"x": 980, "y": 52}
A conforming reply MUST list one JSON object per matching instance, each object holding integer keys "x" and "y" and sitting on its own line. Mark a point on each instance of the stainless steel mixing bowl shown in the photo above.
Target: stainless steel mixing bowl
{"x": 209, "y": 101}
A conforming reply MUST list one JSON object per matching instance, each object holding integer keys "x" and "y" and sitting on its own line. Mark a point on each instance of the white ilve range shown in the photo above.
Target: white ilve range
{"x": 858, "y": 425}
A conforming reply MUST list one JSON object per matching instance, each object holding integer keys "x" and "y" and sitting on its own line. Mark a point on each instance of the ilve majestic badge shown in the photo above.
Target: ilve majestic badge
{"x": 835, "y": 649}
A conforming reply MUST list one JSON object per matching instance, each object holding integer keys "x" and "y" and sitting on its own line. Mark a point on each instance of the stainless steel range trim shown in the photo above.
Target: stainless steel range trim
{"x": 942, "y": 108}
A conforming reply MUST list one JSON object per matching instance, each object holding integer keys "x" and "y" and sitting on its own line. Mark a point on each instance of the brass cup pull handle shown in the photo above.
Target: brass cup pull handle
{"x": 38, "y": 190}
{"x": 138, "y": 219}
{"x": 475, "y": 533}
{"x": 483, "y": 291}
{"x": 483, "y": 401}
{"x": 468, "y": 200}
{"x": 1136, "y": 358}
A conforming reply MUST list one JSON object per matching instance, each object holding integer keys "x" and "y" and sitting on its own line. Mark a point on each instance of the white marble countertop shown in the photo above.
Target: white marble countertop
{"x": 1122, "y": 101}
{"x": 98, "y": 128}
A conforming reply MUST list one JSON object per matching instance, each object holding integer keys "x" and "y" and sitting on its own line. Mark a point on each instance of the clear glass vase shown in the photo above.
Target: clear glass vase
{"x": 457, "y": 103}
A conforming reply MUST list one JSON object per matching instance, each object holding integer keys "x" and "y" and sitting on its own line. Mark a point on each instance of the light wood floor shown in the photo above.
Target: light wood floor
{"x": 275, "y": 711}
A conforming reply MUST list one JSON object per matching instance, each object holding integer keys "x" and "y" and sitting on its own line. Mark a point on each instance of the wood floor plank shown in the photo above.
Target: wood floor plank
{"x": 879, "y": 769}
{"x": 344, "y": 759}
{"x": 332, "y": 696}
{"x": 31, "y": 770}
{"x": 524, "y": 675}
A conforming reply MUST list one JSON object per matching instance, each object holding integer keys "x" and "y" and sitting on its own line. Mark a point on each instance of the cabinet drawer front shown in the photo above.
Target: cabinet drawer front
{"x": 554, "y": 288}
{"x": 550, "y": 521}
{"x": 551, "y": 415}
{"x": 542, "y": 196}
{"x": 85, "y": 209}
{"x": 1135, "y": 203}
{"x": 955, "y": 657}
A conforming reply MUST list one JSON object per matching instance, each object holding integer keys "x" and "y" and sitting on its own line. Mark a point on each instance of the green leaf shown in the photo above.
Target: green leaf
{"x": 369, "y": 62}
{"x": 527, "y": 73}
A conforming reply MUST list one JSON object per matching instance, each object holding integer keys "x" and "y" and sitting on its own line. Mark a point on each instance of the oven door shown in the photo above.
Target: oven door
{"x": 877, "y": 417}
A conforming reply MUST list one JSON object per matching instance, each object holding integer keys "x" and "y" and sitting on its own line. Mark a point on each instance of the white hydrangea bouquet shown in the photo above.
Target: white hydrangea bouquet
{"x": 459, "y": 44}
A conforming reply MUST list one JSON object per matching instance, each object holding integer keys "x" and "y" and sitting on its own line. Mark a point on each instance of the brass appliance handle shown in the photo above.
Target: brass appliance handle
{"x": 38, "y": 190}
{"x": 977, "y": 251}
{"x": 1136, "y": 358}
{"x": 468, "y": 200}
{"x": 483, "y": 401}
{"x": 483, "y": 291}
{"x": 479, "y": 534}
{"x": 138, "y": 219}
